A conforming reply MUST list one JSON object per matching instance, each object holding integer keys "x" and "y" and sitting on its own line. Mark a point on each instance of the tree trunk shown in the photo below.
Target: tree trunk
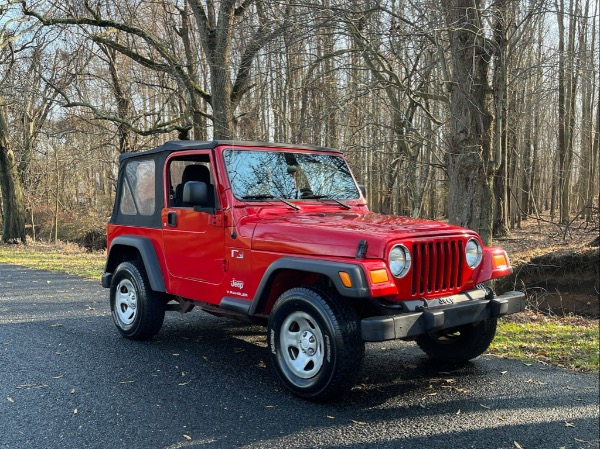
{"x": 13, "y": 229}
{"x": 567, "y": 82}
{"x": 469, "y": 164}
{"x": 122, "y": 98}
{"x": 500, "y": 142}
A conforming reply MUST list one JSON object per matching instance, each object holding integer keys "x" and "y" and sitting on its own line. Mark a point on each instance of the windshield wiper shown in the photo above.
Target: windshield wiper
{"x": 326, "y": 198}
{"x": 270, "y": 197}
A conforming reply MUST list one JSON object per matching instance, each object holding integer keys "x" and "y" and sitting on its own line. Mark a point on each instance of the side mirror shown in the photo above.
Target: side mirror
{"x": 195, "y": 193}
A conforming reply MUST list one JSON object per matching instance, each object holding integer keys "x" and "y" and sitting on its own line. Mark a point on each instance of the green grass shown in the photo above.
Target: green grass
{"x": 63, "y": 257}
{"x": 567, "y": 342}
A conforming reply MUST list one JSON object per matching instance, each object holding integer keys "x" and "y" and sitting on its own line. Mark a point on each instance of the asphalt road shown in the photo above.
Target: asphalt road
{"x": 68, "y": 380}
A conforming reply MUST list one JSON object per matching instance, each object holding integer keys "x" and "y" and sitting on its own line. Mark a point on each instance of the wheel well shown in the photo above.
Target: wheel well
{"x": 284, "y": 279}
{"x": 119, "y": 254}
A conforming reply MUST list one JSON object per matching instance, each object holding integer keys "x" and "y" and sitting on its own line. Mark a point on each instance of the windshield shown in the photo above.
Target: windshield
{"x": 285, "y": 175}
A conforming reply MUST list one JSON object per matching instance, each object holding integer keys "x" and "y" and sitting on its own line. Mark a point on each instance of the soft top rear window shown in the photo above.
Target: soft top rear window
{"x": 138, "y": 192}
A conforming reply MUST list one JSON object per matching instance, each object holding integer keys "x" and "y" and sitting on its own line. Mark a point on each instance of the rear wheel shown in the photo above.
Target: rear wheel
{"x": 138, "y": 312}
{"x": 459, "y": 344}
{"x": 314, "y": 343}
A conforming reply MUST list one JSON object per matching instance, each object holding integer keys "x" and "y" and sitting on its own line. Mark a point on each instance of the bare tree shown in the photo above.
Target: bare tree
{"x": 13, "y": 210}
{"x": 215, "y": 25}
{"x": 10, "y": 186}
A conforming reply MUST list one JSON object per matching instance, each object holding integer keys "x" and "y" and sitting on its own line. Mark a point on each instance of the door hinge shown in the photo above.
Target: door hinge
{"x": 216, "y": 220}
{"x": 225, "y": 264}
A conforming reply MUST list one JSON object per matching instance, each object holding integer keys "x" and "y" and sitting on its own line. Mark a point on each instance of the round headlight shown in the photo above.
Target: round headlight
{"x": 473, "y": 253}
{"x": 399, "y": 260}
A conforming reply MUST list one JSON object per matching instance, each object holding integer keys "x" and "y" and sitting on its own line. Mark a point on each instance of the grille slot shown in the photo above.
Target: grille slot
{"x": 437, "y": 266}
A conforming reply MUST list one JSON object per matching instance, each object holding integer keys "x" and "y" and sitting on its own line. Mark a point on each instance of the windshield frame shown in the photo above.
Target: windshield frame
{"x": 315, "y": 197}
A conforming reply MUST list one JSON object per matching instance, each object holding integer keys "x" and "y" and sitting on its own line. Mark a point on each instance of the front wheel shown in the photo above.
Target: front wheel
{"x": 459, "y": 344}
{"x": 314, "y": 343}
{"x": 138, "y": 312}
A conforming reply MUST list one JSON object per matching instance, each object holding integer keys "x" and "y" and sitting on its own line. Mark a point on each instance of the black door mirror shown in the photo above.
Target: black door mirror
{"x": 195, "y": 193}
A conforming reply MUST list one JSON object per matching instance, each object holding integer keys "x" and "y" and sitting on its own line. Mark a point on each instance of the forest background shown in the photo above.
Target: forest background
{"x": 482, "y": 112}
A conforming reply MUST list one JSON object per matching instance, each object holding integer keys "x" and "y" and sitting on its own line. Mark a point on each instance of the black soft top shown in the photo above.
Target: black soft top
{"x": 181, "y": 145}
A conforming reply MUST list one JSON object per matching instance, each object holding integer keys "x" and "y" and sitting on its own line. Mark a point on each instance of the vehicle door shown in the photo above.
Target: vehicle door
{"x": 193, "y": 237}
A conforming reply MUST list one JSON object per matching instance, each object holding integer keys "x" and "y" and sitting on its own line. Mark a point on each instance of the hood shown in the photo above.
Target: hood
{"x": 337, "y": 234}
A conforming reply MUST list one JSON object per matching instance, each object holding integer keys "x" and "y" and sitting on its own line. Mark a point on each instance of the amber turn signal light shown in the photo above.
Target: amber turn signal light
{"x": 379, "y": 276}
{"x": 345, "y": 278}
{"x": 500, "y": 261}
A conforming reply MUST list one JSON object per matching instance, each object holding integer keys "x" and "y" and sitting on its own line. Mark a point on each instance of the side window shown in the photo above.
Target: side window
{"x": 138, "y": 192}
{"x": 127, "y": 204}
{"x": 191, "y": 169}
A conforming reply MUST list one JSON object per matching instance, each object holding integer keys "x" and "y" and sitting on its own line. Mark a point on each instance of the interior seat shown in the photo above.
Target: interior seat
{"x": 195, "y": 173}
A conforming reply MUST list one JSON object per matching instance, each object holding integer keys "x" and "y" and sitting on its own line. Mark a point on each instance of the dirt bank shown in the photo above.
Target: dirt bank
{"x": 559, "y": 272}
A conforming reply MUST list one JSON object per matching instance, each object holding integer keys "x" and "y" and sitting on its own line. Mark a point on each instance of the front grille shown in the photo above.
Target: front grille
{"x": 437, "y": 266}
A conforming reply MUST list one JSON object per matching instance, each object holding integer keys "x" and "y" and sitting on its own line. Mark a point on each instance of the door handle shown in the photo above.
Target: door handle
{"x": 172, "y": 219}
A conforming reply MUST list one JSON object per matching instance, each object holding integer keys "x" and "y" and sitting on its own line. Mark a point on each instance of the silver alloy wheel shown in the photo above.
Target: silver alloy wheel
{"x": 301, "y": 344}
{"x": 126, "y": 302}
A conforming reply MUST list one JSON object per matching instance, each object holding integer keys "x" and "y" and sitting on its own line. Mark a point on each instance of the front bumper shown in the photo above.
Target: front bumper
{"x": 411, "y": 324}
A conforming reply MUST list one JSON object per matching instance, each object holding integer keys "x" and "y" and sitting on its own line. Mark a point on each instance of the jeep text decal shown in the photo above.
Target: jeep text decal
{"x": 237, "y": 284}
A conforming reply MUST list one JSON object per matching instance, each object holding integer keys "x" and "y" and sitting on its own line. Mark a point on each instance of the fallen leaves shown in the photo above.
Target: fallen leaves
{"x": 360, "y": 423}
{"x": 535, "y": 382}
{"x": 448, "y": 384}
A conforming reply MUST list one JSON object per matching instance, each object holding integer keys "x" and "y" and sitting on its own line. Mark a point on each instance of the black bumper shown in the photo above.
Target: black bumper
{"x": 391, "y": 327}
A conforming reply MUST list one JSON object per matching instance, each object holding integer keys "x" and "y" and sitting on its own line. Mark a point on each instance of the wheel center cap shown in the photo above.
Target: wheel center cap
{"x": 308, "y": 341}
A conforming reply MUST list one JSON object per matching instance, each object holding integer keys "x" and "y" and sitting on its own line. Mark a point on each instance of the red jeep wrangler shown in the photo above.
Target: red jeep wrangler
{"x": 281, "y": 235}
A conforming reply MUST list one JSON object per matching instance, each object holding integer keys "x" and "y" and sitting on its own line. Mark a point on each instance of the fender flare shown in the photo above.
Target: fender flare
{"x": 148, "y": 255}
{"x": 331, "y": 269}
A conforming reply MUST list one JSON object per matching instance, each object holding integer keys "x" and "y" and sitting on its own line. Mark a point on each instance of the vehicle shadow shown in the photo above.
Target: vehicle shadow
{"x": 398, "y": 385}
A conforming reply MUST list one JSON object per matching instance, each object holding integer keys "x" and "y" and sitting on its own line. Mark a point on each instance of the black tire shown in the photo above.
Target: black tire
{"x": 138, "y": 312}
{"x": 460, "y": 344}
{"x": 314, "y": 343}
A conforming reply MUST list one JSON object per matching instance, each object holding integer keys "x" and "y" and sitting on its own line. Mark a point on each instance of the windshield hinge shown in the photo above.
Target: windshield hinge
{"x": 362, "y": 249}
{"x": 216, "y": 220}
